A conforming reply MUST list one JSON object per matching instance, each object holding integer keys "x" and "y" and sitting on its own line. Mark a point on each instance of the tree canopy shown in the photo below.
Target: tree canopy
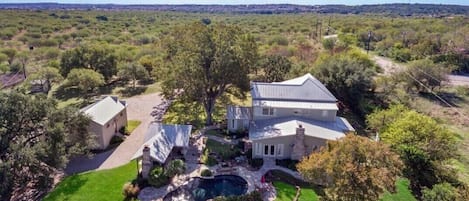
{"x": 85, "y": 80}
{"x": 133, "y": 72}
{"x": 348, "y": 75}
{"x": 35, "y": 136}
{"x": 424, "y": 72}
{"x": 98, "y": 57}
{"x": 353, "y": 168}
{"x": 205, "y": 61}
{"x": 275, "y": 68}
{"x": 423, "y": 144}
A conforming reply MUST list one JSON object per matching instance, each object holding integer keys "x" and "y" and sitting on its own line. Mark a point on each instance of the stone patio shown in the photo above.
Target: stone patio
{"x": 193, "y": 169}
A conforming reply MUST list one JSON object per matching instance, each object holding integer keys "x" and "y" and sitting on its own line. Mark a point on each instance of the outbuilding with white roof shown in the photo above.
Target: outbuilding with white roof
{"x": 107, "y": 115}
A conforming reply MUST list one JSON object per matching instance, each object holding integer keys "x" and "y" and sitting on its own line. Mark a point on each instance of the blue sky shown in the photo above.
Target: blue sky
{"x": 305, "y": 2}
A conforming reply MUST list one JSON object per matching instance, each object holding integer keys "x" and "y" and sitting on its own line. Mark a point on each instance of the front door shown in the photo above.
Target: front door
{"x": 269, "y": 150}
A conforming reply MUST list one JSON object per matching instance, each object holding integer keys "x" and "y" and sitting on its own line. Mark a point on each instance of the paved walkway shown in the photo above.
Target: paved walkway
{"x": 139, "y": 108}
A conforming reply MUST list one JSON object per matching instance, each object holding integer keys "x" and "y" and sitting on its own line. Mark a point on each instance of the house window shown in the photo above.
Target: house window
{"x": 272, "y": 150}
{"x": 267, "y": 111}
{"x": 266, "y": 150}
{"x": 233, "y": 123}
{"x": 280, "y": 150}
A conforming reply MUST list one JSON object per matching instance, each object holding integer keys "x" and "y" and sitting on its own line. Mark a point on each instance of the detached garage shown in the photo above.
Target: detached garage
{"x": 108, "y": 116}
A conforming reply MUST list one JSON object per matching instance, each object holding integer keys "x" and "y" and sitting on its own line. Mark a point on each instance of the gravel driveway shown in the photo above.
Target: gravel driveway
{"x": 139, "y": 108}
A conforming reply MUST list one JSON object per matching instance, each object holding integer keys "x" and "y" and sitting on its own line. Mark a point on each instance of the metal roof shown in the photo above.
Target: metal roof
{"x": 104, "y": 110}
{"x": 305, "y": 88}
{"x": 278, "y": 127}
{"x": 296, "y": 104}
{"x": 161, "y": 138}
{"x": 237, "y": 112}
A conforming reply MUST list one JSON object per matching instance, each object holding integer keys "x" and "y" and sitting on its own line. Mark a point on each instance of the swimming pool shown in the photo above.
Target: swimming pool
{"x": 201, "y": 189}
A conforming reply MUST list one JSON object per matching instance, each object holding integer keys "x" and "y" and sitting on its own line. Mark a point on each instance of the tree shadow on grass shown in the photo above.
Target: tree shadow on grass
{"x": 278, "y": 175}
{"x": 65, "y": 92}
{"x": 69, "y": 186}
{"x": 133, "y": 91}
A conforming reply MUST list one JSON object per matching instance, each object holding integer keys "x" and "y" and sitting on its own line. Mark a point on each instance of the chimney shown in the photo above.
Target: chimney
{"x": 299, "y": 150}
{"x": 146, "y": 162}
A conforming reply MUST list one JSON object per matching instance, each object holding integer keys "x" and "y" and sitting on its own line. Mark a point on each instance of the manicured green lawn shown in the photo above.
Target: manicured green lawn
{"x": 132, "y": 124}
{"x": 403, "y": 193}
{"x": 286, "y": 192}
{"x": 97, "y": 185}
{"x": 308, "y": 194}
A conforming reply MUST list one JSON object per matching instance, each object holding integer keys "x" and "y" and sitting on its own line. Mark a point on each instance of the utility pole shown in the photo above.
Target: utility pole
{"x": 368, "y": 42}
{"x": 404, "y": 40}
{"x": 320, "y": 31}
{"x": 317, "y": 31}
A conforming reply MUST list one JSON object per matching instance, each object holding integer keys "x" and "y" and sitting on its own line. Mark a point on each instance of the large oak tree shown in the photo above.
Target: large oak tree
{"x": 425, "y": 146}
{"x": 353, "y": 168}
{"x": 205, "y": 61}
{"x": 35, "y": 138}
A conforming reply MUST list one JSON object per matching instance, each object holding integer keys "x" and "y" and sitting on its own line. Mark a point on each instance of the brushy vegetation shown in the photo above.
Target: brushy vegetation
{"x": 131, "y": 43}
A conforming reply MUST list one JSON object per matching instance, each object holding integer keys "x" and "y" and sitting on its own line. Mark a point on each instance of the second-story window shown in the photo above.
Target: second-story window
{"x": 268, "y": 111}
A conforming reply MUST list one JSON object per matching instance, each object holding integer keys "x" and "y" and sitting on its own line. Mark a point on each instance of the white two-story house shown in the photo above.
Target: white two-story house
{"x": 293, "y": 118}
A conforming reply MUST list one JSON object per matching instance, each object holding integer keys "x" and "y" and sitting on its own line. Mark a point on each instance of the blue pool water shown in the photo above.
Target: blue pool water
{"x": 203, "y": 189}
{"x": 224, "y": 185}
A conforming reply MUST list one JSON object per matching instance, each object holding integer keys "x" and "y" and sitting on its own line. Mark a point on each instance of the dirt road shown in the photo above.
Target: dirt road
{"x": 389, "y": 67}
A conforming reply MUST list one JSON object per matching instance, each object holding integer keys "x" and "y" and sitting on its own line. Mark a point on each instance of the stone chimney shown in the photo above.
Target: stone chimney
{"x": 146, "y": 162}
{"x": 299, "y": 150}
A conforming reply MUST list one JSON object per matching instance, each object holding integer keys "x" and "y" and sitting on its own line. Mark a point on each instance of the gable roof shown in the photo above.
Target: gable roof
{"x": 305, "y": 88}
{"x": 162, "y": 138}
{"x": 238, "y": 112}
{"x": 271, "y": 128}
{"x": 104, "y": 110}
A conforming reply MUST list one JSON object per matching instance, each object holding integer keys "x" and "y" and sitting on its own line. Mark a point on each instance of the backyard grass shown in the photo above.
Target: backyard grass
{"x": 215, "y": 133}
{"x": 403, "y": 193}
{"x": 286, "y": 192}
{"x": 100, "y": 185}
{"x": 222, "y": 149}
{"x": 132, "y": 124}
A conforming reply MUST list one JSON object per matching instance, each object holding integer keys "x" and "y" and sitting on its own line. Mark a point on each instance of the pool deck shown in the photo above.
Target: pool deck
{"x": 193, "y": 169}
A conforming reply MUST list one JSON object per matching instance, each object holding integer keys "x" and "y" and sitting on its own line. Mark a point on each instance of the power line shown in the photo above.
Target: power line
{"x": 436, "y": 95}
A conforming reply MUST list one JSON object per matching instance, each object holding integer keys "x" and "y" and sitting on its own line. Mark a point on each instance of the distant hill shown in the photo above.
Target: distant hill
{"x": 386, "y": 9}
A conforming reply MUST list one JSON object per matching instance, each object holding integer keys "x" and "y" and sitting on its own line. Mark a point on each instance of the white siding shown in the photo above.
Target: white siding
{"x": 321, "y": 115}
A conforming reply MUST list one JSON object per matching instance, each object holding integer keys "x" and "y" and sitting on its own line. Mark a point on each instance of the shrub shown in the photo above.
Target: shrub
{"x": 279, "y": 40}
{"x": 157, "y": 178}
{"x": 130, "y": 190}
{"x": 462, "y": 90}
{"x": 211, "y": 161}
{"x": 287, "y": 163}
{"x": 440, "y": 192}
{"x": 116, "y": 140}
{"x": 256, "y": 162}
{"x": 206, "y": 173}
{"x": 124, "y": 130}
{"x": 253, "y": 196}
{"x": 175, "y": 167}
{"x": 207, "y": 159}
